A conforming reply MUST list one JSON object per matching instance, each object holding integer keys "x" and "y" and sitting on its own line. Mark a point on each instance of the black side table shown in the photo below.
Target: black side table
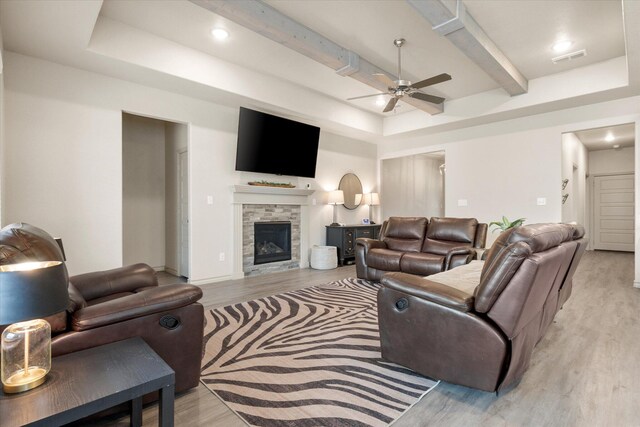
{"x": 89, "y": 381}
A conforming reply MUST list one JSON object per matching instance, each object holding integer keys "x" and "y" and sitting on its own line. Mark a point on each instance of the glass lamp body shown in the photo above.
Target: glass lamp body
{"x": 26, "y": 355}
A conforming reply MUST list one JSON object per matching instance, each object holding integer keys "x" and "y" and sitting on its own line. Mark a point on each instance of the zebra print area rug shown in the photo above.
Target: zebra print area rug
{"x": 307, "y": 358}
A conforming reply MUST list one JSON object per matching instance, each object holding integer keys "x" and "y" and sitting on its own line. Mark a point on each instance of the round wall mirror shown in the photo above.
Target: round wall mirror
{"x": 350, "y": 184}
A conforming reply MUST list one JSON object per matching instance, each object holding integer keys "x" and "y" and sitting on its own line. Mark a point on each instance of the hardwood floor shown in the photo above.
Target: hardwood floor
{"x": 585, "y": 371}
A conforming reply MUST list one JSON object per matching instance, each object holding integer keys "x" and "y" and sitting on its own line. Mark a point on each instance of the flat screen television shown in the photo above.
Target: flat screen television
{"x": 275, "y": 145}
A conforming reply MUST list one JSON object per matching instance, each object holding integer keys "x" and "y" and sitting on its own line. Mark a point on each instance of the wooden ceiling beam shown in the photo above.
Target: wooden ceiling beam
{"x": 465, "y": 33}
{"x": 269, "y": 22}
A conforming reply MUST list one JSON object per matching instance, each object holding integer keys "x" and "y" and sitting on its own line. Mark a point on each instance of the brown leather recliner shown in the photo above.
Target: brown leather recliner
{"x": 420, "y": 246}
{"x": 482, "y": 338}
{"x": 113, "y": 305}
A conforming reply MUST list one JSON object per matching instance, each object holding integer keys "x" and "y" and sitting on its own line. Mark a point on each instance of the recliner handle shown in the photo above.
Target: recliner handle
{"x": 402, "y": 304}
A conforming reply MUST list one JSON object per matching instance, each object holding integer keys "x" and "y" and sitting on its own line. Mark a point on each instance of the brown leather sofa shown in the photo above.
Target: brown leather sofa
{"x": 113, "y": 305}
{"x": 417, "y": 245}
{"x": 483, "y": 337}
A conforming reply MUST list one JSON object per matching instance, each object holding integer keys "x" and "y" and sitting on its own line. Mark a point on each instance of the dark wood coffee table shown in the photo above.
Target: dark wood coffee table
{"x": 89, "y": 381}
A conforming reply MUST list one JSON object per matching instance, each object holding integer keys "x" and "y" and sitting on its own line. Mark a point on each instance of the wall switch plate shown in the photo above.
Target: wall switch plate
{"x": 313, "y": 202}
{"x": 463, "y": 202}
{"x": 209, "y": 200}
{"x": 541, "y": 201}
{"x": 221, "y": 256}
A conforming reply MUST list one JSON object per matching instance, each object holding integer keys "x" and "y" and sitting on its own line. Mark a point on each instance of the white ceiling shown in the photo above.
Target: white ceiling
{"x": 66, "y": 32}
{"x": 594, "y": 139}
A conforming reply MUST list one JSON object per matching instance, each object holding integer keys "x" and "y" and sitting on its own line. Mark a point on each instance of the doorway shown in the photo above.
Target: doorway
{"x": 607, "y": 155}
{"x": 155, "y": 194}
{"x": 414, "y": 185}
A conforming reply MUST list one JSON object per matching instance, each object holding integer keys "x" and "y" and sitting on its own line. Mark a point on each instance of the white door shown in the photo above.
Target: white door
{"x": 613, "y": 213}
{"x": 183, "y": 197}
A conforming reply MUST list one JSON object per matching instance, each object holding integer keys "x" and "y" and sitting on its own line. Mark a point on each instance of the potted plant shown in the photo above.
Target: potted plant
{"x": 505, "y": 224}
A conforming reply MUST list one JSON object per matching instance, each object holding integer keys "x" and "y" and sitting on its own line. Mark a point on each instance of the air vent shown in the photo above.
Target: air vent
{"x": 569, "y": 56}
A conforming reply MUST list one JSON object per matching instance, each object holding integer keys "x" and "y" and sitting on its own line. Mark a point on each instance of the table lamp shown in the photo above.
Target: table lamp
{"x": 371, "y": 199}
{"x": 335, "y": 198}
{"x": 28, "y": 292}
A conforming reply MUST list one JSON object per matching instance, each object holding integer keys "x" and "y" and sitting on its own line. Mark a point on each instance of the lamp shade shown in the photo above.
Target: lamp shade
{"x": 32, "y": 290}
{"x": 372, "y": 199}
{"x": 336, "y": 197}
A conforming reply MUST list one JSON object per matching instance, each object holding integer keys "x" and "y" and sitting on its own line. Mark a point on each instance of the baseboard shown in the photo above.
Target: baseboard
{"x": 171, "y": 271}
{"x": 210, "y": 280}
{"x": 636, "y": 284}
{"x": 160, "y": 268}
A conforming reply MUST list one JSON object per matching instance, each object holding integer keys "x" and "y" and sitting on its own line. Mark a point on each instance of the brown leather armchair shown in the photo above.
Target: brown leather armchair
{"x": 484, "y": 337}
{"x": 420, "y": 246}
{"x": 109, "y": 306}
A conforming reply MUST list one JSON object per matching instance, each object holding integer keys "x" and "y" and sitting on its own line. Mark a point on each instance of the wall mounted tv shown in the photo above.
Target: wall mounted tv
{"x": 271, "y": 144}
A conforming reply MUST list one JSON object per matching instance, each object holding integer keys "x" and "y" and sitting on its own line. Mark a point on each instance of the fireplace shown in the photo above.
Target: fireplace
{"x": 272, "y": 242}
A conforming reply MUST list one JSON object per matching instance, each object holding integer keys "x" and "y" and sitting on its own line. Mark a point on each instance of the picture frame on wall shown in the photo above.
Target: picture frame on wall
{"x": 366, "y": 221}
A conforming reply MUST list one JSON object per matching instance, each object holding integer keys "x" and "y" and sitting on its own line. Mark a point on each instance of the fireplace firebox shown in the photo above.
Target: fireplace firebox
{"x": 272, "y": 242}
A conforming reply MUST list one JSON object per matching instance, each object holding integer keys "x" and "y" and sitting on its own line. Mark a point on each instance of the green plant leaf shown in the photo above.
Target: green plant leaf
{"x": 505, "y": 224}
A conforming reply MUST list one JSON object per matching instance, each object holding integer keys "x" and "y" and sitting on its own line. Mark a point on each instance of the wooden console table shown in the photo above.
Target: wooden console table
{"x": 344, "y": 238}
{"x": 89, "y": 381}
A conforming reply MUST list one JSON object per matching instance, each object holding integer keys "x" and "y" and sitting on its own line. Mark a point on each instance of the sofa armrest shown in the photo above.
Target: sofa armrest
{"x": 426, "y": 289}
{"x": 123, "y": 279}
{"x": 148, "y": 301}
{"x": 458, "y": 252}
{"x": 368, "y": 243}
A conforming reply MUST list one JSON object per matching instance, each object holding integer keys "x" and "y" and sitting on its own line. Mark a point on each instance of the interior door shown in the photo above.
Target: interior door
{"x": 183, "y": 176}
{"x": 613, "y": 212}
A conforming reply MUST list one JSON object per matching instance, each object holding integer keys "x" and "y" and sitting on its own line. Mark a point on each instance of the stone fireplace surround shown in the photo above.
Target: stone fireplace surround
{"x": 255, "y": 203}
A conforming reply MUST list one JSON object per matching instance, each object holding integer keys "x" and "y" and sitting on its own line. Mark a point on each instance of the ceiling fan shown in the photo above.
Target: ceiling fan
{"x": 399, "y": 88}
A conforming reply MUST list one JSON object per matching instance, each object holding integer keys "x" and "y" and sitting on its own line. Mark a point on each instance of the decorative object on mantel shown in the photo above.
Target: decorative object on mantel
{"x": 335, "y": 198}
{"x": 264, "y": 183}
{"x": 505, "y": 224}
{"x": 564, "y": 198}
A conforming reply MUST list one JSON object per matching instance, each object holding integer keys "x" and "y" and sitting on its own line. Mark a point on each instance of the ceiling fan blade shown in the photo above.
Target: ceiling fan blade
{"x": 431, "y": 81}
{"x": 391, "y": 105}
{"x": 385, "y": 79}
{"x": 429, "y": 98}
{"x": 366, "y": 96}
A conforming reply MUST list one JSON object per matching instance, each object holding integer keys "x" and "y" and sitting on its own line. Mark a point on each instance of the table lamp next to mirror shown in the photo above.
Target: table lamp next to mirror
{"x": 335, "y": 198}
{"x": 370, "y": 199}
{"x": 28, "y": 292}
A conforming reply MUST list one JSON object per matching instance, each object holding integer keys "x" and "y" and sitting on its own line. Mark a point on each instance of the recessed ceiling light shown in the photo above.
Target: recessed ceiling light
{"x": 219, "y": 33}
{"x": 616, "y": 145}
{"x": 562, "y": 46}
{"x": 380, "y": 102}
{"x": 609, "y": 137}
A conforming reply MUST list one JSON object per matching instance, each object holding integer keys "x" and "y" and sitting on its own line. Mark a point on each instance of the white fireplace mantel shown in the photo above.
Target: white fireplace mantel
{"x": 257, "y": 195}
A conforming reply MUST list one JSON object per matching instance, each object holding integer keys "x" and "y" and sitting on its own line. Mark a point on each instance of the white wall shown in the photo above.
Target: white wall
{"x": 504, "y": 175}
{"x": 143, "y": 191}
{"x": 176, "y": 140}
{"x": 612, "y": 161}
{"x": 574, "y": 168}
{"x": 65, "y": 163}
